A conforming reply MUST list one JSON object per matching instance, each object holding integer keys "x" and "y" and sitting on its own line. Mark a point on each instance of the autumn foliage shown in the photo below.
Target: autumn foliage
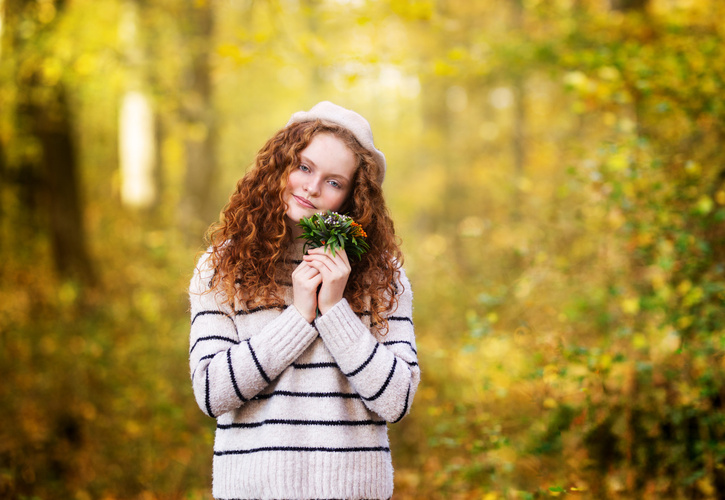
{"x": 556, "y": 174}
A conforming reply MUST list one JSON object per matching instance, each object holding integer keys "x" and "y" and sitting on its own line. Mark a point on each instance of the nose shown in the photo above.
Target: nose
{"x": 313, "y": 187}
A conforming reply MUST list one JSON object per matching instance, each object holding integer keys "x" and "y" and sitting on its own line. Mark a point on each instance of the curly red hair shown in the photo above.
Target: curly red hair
{"x": 249, "y": 242}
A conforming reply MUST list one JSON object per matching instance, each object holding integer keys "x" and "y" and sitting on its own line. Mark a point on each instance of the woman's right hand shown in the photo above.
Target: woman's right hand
{"x": 305, "y": 280}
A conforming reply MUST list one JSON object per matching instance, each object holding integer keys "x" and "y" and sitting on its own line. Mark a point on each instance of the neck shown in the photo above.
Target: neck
{"x": 294, "y": 229}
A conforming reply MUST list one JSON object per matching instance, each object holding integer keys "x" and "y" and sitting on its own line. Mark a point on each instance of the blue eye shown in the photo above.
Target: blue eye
{"x": 304, "y": 167}
{"x": 335, "y": 184}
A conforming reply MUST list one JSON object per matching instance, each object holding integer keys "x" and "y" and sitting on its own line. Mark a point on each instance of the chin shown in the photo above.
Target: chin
{"x": 297, "y": 215}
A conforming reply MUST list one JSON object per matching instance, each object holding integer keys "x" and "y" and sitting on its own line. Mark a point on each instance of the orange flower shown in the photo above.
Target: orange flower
{"x": 358, "y": 230}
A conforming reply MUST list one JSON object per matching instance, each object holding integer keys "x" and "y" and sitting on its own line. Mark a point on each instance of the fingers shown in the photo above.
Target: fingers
{"x": 305, "y": 280}
{"x": 329, "y": 265}
{"x": 334, "y": 271}
{"x": 304, "y": 272}
{"x": 306, "y": 277}
{"x": 339, "y": 253}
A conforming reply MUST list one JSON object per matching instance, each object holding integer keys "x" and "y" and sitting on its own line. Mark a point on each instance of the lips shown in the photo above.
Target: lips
{"x": 304, "y": 202}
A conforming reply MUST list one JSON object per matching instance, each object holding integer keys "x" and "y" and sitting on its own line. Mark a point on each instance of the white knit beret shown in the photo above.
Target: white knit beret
{"x": 355, "y": 123}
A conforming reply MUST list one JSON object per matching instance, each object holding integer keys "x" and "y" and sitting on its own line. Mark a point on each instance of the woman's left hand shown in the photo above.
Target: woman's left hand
{"x": 335, "y": 271}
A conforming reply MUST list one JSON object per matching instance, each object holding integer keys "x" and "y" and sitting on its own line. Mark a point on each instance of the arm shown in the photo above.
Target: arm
{"x": 229, "y": 367}
{"x": 385, "y": 373}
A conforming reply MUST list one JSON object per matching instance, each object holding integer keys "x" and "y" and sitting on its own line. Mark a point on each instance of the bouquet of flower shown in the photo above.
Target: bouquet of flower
{"x": 332, "y": 230}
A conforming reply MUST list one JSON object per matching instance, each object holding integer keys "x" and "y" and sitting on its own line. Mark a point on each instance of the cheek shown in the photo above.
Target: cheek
{"x": 293, "y": 184}
{"x": 291, "y": 181}
{"x": 341, "y": 200}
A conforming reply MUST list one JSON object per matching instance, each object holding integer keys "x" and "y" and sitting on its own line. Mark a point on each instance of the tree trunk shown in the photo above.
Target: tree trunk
{"x": 44, "y": 115}
{"x": 629, "y": 5}
{"x": 51, "y": 125}
{"x": 198, "y": 208}
{"x": 137, "y": 121}
{"x": 3, "y": 185}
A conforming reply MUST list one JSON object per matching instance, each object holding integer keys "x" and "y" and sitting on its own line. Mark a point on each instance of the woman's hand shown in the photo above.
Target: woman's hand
{"x": 305, "y": 280}
{"x": 334, "y": 272}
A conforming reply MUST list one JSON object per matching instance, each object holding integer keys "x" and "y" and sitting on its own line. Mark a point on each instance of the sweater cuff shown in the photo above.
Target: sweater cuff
{"x": 340, "y": 327}
{"x": 289, "y": 335}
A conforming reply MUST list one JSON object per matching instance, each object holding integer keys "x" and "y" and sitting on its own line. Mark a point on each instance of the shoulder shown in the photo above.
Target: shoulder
{"x": 204, "y": 272}
{"x": 205, "y": 294}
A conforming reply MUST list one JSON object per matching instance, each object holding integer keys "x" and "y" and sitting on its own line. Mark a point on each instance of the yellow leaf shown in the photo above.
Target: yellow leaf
{"x": 442, "y": 68}
{"x": 684, "y": 287}
{"x": 52, "y": 71}
{"x": 605, "y": 361}
{"x": 706, "y": 487}
{"x": 694, "y": 296}
{"x": 639, "y": 341}
{"x": 551, "y": 373}
{"x": 630, "y": 306}
{"x": 85, "y": 64}
{"x": 609, "y": 73}
{"x": 685, "y": 321}
{"x": 616, "y": 219}
{"x": 229, "y": 50}
{"x": 46, "y": 12}
{"x": 720, "y": 197}
{"x": 704, "y": 204}
{"x": 576, "y": 80}
{"x": 693, "y": 168}
{"x": 645, "y": 239}
{"x": 618, "y": 162}
{"x": 457, "y": 53}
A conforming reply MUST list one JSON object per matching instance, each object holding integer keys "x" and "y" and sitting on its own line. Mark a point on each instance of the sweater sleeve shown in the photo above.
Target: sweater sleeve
{"x": 385, "y": 373}
{"x": 229, "y": 367}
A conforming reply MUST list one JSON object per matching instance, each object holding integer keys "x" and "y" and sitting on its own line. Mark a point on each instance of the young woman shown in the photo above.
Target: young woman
{"x": 304, "y": 359}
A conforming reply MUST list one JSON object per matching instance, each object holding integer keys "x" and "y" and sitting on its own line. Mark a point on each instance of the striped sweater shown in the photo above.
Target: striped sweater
{"x": 302, "y": 409}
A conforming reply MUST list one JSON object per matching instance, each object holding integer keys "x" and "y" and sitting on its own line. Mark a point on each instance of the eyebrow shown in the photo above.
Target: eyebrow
{"x": 305, "y": 159}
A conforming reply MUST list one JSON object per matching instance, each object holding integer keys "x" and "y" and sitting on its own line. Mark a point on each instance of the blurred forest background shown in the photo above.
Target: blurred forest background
{"x": 557, "y": 177}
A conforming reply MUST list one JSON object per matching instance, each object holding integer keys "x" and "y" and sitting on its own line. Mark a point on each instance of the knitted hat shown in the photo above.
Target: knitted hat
{"x": 350, "y": 120}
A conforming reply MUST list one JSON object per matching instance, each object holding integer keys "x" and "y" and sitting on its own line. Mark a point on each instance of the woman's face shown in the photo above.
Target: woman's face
{"x": 322, "y": 181}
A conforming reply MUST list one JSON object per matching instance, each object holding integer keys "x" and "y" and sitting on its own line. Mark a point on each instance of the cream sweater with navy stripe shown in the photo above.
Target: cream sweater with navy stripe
{"x": 301, "y": 409}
